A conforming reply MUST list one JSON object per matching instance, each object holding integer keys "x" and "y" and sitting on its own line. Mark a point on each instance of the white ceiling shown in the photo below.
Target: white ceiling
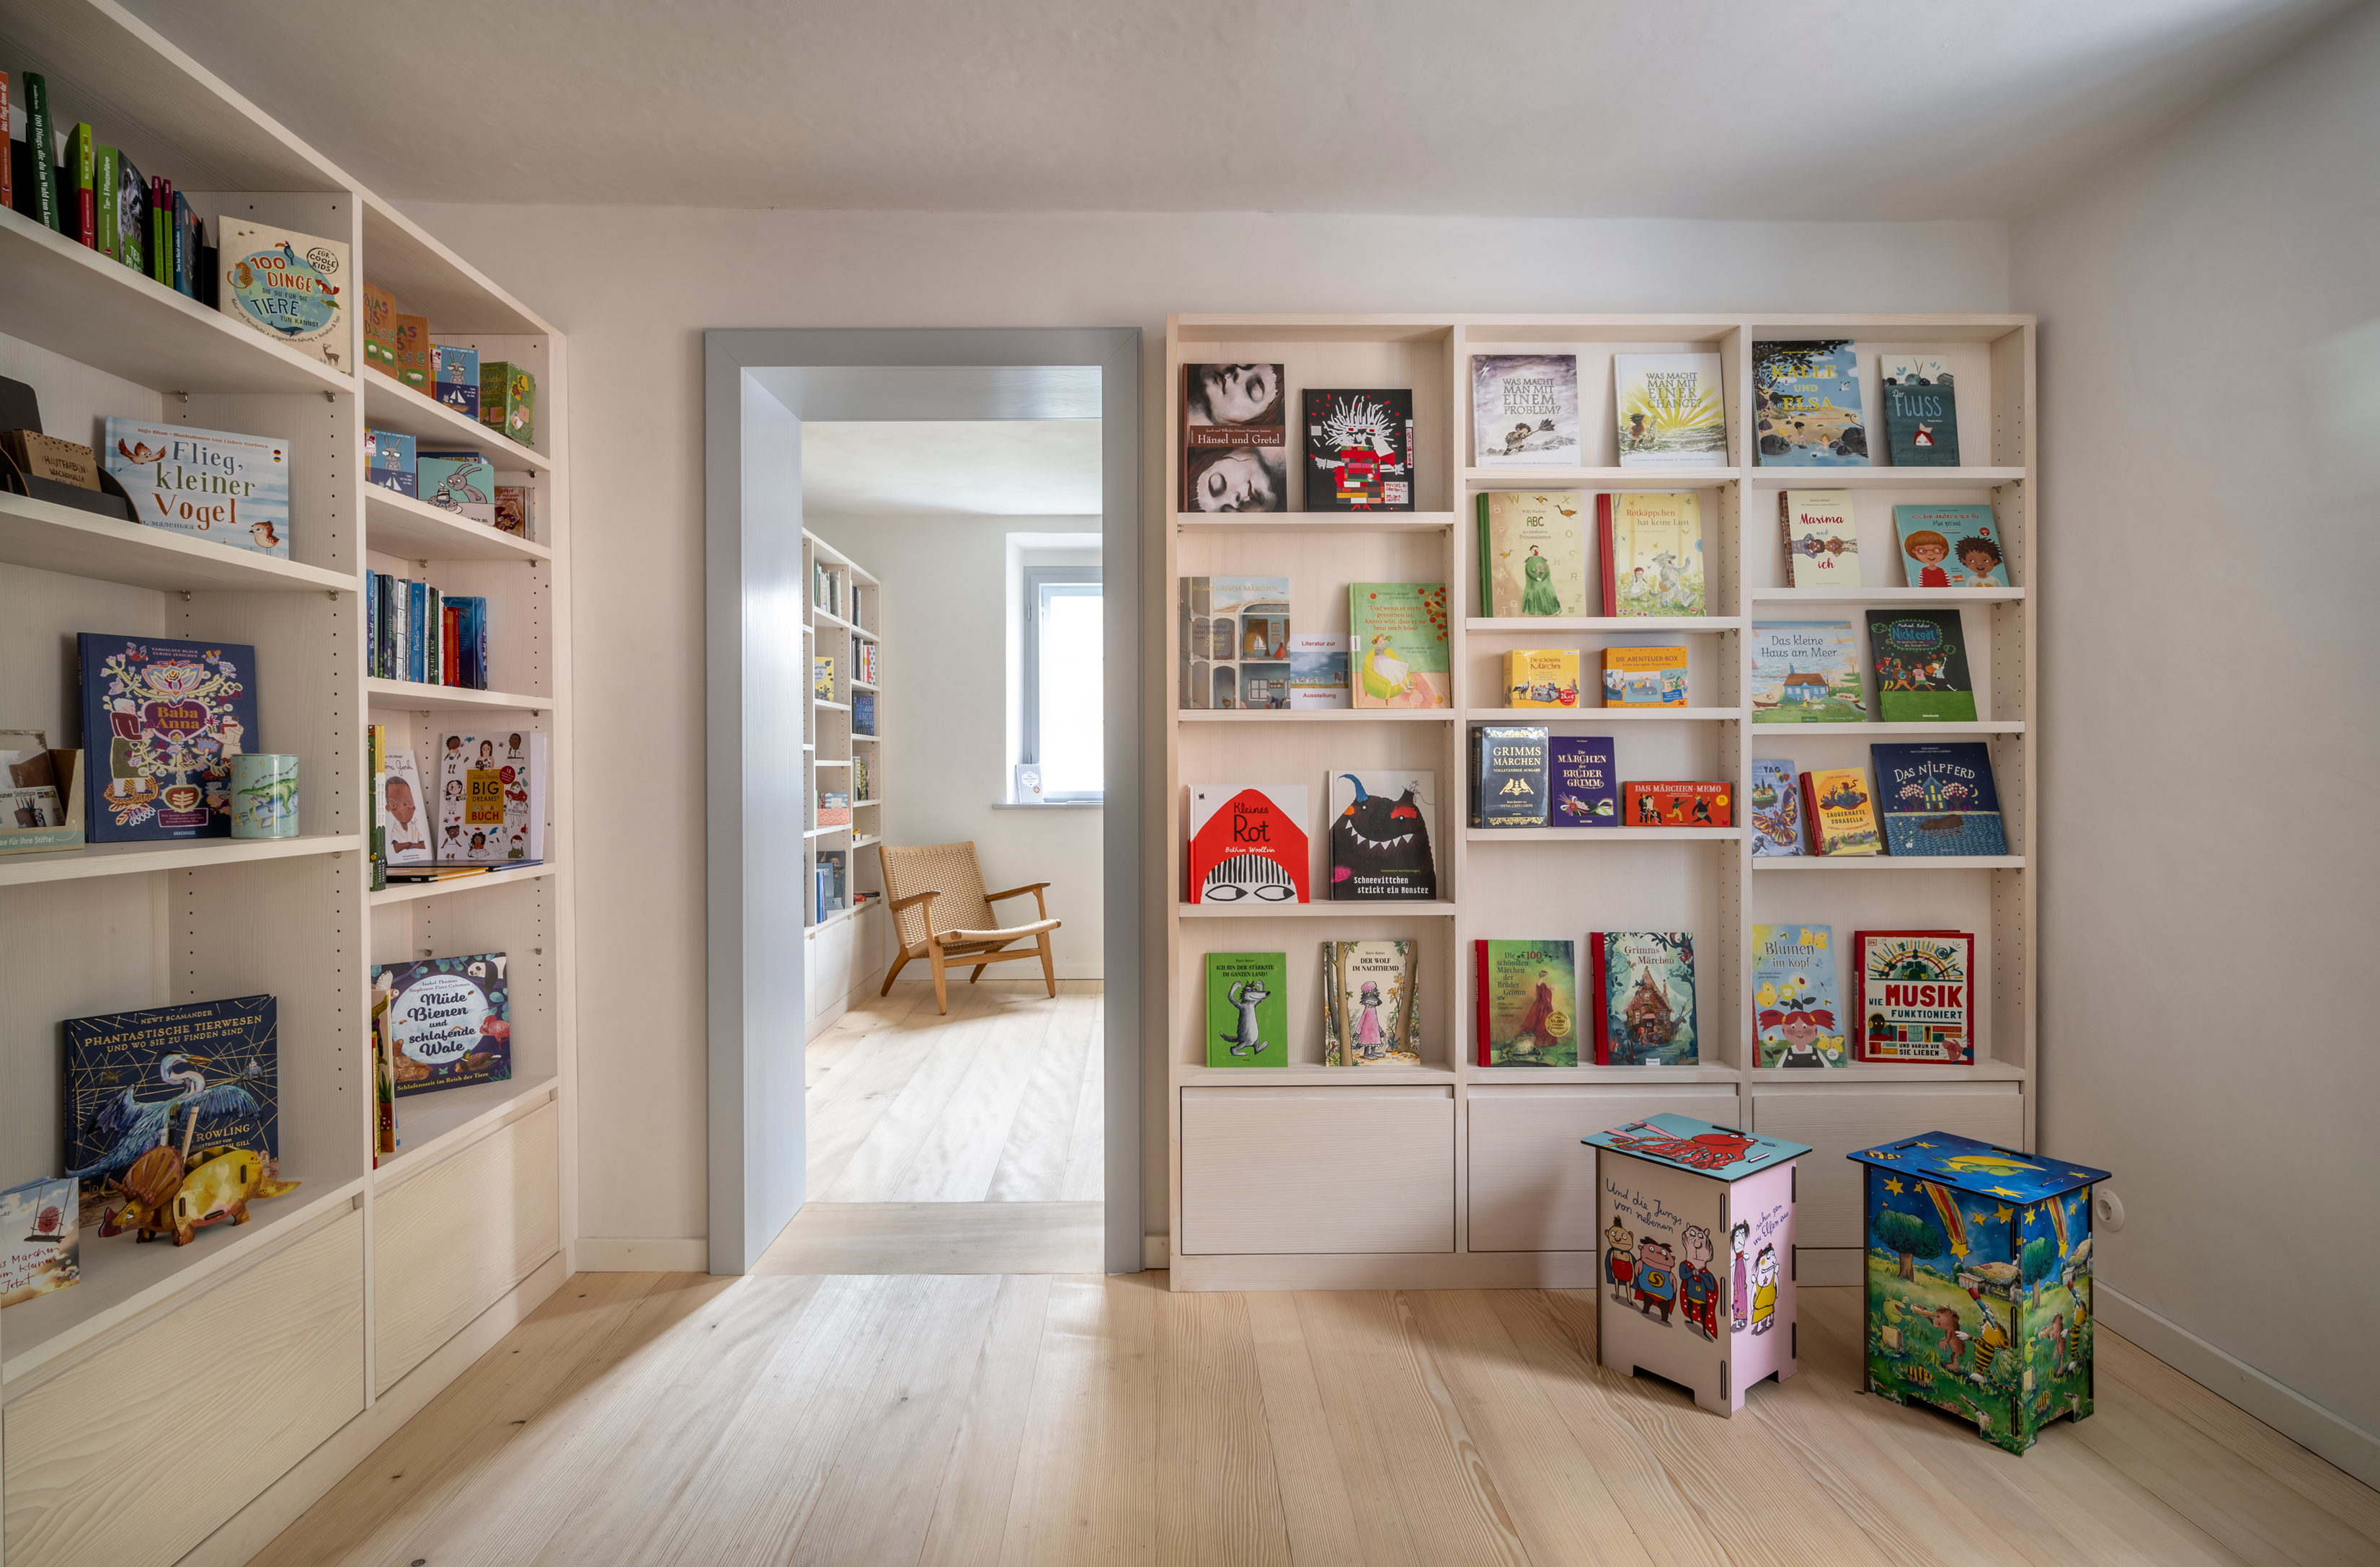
{"x": 992, "y": 467}
{"x": 1685, "y": 108}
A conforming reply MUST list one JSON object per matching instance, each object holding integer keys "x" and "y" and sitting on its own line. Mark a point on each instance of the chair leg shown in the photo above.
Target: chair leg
{"x": 1048, "y": 968}
{"x": 898, "y": 964}
{"x": 942, "y": 985}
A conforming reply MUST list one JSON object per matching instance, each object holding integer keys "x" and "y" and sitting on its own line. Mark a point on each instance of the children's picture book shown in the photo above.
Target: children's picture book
{"x": 1248, "y": 841}
{"x": 1247, "y": 1009}
{"x": 1921, "y": 666}
{"x": 1396, "y": 638}
{"x": 455, "y": 378}
{"x": 1526, "y": 996}
{"x": 1532, "y": 553}
{"x": 412, "y": 335}
{"x": 1798, "y": 1021}
{"x": 1371, "y": 1003}
{"x": 1916, "y": 999}
{"x": 1541, "y": 677}
{"x": 1652, "y": 553}
{"x": 1951, "y": 546}
{"x": 822, "y": 677}
{"x": 1644, "y": 678}
{"x": 1693, "y": 803}
{"x": 516, "y": 510}
{"x": 863, "y": 712}
{"x": 1921, "y": 411}
{"x": 1359, "y": 450}
{"x": 1380, "y": 835}
{"x": 1234, "y": 438}
{"x": 1808, "y": 411}
{"x": 1644, "y": 986}
{"x": 1585, "y": 791}
{"x": 1318, "y": 671}
{"x": 210, "y": 484}
{"x": 391, "y": 460}
{"x": 1821, "y": 537}
{"x": 1672, "y": 411}
{"x": 1524, "y": 410}
{"x": 508, "y": 401}
{"x": 40, "y": 1238}
{"x": 201, "y": 1076}
{"x": 292, "y": 287}
{"x": 1840, "y": 811}
{"x": 170, "y": 716}
{"x": 486, "y": 791}
{"x": 1938, "y": 799}
{"x": 383, "y": 1079}
{"x": 380, "y": 330}
{"x": 1234, "y": 642}
{"x": 1511, "y": 775}
{"x": 460, "y": 483}
{"x": 1806, "y": 671}
{"x": 1775, "y": 808}
{"x": 448, "y": 1023}
{"x": 407, "y": 821}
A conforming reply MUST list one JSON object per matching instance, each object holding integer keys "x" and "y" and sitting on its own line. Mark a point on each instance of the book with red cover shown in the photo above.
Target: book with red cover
{"x": 1249, "y": 843}
{"x": 450, "y": 645}
{"x": 1603, "y": 553}
{"x": 1912, "y": 997}
{"x": 1676, "y": 804}
{"x": 1481, "y": 1021}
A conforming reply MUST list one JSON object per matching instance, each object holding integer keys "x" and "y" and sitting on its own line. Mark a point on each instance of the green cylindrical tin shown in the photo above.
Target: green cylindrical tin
{"x": 263, "y": 796}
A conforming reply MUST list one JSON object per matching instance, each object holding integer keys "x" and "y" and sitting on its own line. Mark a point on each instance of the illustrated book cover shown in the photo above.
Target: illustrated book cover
{"x": 1808, "y": 409}
{"x": 1916, "y": 1002}
{"x": 1643, "y": 989}
{"x": 1644, "y": 678}
{"x": 1532, "y": 553}
{"x": 1511, "y": 777}
{"x": 405, "y": 815}
{"x": 463, "y": 482}
{"x": 1921, "y": 666}
{"x": 1798, "y": 1020}
{"x": 1951, "y": 546}
{"x": 1359, "y": 450}
{"x": 1677, "y": 804}
{"x": 1248, "y": 841}
{"x": 1775, "y": 808}
{"x": 1247, "y": 1009}
{"x": 1396, "y": 640}
{"x": 1234, "y": 438}
{"x": 1652, "y": 553}
{"x": 1380, "y": 835}
{"x": 292, "y": 287}
{"x": 210, "y": 484}
{"x": 486, "y": 792}
{"x": 455, "y": 379}
{"x": 1541, "y": 677}
{"x": 1672, "y": 412}
{"x": 1585, "y": 793}
{"x": 380, "y": 330}
{"x": 1527, "y": 1003}
{"x": 447, "y": 1021}
{"x": 40, "y": 1238}
{"x": 1821, "y": 537}
{"x": 1806, "y": 672}
{"x": 201, "y": 1073}
{"x": 1700, "y": 1148}
{"x": 1318, "y": 671}
{"x": 391, "y": 461}
{"x": 172, "y": 715}
{"x": 1371, "y": 1003}
{"x": 1921, "y": 411}
{"x": 1938, "y": 799}
{"x": 1234, "y": 642}
{"x": 1840, "y": 812}
{"x": 1524, "y": 410}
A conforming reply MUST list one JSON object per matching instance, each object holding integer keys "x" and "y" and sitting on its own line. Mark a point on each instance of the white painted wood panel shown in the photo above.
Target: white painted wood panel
{"x": 1835, "y": 1121}
{"x": 1318, "y": 1169}
{"x": 1532, "y": 1184}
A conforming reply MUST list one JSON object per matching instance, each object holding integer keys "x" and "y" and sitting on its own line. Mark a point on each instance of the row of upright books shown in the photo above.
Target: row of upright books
{"x": 1237, "y": 647}
{"x": 425, "y": 636}
{"x": 461, "y": 482}
{"x": 483, "y": 807}
{"x": 1925, "y": 800}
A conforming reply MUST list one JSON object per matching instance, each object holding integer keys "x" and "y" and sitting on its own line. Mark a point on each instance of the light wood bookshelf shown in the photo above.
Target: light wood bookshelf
{"x": 334, "y": 1312}
{"x": 1485, "y": 1166}
{"x": 843, "y": 951}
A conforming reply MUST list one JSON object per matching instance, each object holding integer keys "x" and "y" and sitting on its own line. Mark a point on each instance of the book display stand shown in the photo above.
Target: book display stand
{"x": 302, "y": 1339}
{"x": 1444, "y": 1174}
{"x": 847, "y": 942}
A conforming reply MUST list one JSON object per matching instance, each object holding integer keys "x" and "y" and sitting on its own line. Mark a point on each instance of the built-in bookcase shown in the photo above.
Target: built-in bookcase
{"x": 846, "y": 946}
{"x": 1449, "y": 1174}
{"x": 341, "y": 1308}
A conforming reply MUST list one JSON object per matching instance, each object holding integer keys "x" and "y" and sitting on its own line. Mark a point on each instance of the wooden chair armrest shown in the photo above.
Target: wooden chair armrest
{"x": 913, "y": 900}
{"x": 1035, "y": 888}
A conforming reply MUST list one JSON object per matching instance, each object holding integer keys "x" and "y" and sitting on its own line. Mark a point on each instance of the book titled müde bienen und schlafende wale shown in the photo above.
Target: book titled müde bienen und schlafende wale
{"x": 1234, "y": 438}
{"x": 1380, "y": 835}
{"x": 1524, "y": 410}
{"x": 1249, "y": 843}
{"x": 448, "y": 1020}
{"x": 210, "y": 484}
{"x": 161, "y": 720}
{"x": 1359, "y": 450}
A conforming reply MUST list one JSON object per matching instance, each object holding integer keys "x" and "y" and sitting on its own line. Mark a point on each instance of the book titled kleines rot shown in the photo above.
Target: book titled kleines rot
{"x": 210, "y": 484}
{"x": 1249, "y": 843}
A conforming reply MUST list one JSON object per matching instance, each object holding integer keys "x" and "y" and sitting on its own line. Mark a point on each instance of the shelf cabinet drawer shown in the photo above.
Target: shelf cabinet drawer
{"x": 450, "y": 1242}
{"x": 1533, "y": 1181}
{"x": 1317, "y": 1170}
{"x": 1835, "y": 1121}
{"x": 134, "y": 1455}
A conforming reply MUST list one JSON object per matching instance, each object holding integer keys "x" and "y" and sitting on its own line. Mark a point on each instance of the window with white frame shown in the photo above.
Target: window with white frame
{"x": 1064, "y": 735}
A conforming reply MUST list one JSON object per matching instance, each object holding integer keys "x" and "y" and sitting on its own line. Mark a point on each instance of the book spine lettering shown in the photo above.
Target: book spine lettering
{"x": 1785, "y": 527}
{"x": 8, "y": 163}
{"x": 38, "y": 135}
{"x": 81, "y": 212}
{"x": 102, "y": 189}
{"x": 1601, "y": 1000}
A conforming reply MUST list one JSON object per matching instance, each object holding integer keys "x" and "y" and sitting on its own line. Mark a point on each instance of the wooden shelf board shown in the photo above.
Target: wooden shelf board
{"x": 828, "y": 761}
{"x": 862, "y": 841}
{"x": 1604, "y": 835}
{"x": 389, "y": 405}
{"x": 1598, "y": 478}
{"x": 400, "y": 525}
{"x": 820, "y": 547}
{"x": 414, "y": 892}
{"x": 129, "y": 860}
{"x": 415, "y": 696}
{"x": 1530, "y": 626}
{"x": 1393, "y": 908}
{"x": 834, "y": 706}
{"x": 1905, "y": 1074}
{"x": 1314, "y": 715}
{"x": 871, "y": 739}
{"x": 1596, "y": 715}
{"x": 824, "y": 831}
{"x": 1883, "y": 595}
{"x": 1310, "y": 1074}
{"x": 428, "y": 1125}
{"x": 1522, "y": 1076}
{"x": 820, "y": 615}
{"x": 1883, "y": 477}
{"x": 49, "y": 537}
{"x": 429, "y": 280}
{"x": 838, "y": 915}
{"x": 1889, "y": 862}
{"x": 1314, "y": 522}
{"x": 866, "y": 686}
{"x": 122, "y": 1279}
{"x": 1889, "y": 732}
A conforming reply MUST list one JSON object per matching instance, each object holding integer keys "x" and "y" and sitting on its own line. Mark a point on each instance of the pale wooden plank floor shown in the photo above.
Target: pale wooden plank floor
{"x": 653, "y": 1418}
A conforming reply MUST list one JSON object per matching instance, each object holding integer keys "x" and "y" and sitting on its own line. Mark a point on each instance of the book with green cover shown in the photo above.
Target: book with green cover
{"x": 1532, "y": 553}
{"x": 1397, "y": 645}
{"x": 41, "y": 138}
{"x": 104, "y": 208}
{"x": 1247, "y": 1009}
{"x": 1921, "y": 666}
{"x": 1527, "y": 998}
{"x": 1371, "y": 1006}
{"x": 1921, "y": 411}
{"x": 78, "y": 214}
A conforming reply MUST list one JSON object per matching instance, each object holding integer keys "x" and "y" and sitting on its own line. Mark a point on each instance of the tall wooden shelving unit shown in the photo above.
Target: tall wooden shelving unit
{"x": 844, "y": 950}
{"x": 297, "y": 1342}
{"x": 1451, "y": 1174}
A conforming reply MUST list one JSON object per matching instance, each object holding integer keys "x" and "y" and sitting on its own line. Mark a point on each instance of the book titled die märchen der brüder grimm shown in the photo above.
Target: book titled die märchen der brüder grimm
{"x": 1527, "y": 1003}
{"x": 209, "y": 484}
{"x": 1248, "y": 843}
{"x": 1396, "y": 641}
{"x": 1380, "y": 835}
{"x": 1938, "y": 799}
{"x": 1921, "y": 666}
{"x": 1359, "y": 450}
{"x": 448, "y": 1020}
{"x": 1247, "y": 1009}
{"x": 1585, "y": 792}
{"x": 1511, "y": 775}
{"x": 1532, "y": 553}
{"x": 161, "y": 722}
{"x": 133, "y": 1078}
{"x": 1643, "y": 992}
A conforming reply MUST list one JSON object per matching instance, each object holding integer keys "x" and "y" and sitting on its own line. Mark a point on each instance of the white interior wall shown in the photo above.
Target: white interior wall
{"x": 2210, "y": 390}
{"x": 635, "y": 290}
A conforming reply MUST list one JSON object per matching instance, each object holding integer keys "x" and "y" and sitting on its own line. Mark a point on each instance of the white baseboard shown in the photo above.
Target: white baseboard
{"x": 2285, "y": 1410}
{"x": 1156, "y": 1251}
{"x": 670, "y": 1254}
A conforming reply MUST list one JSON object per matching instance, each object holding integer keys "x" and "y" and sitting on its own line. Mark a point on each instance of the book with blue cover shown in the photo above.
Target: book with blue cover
{"x": 447, "y": 1021}
{"x": 1511, "y": 775}
{"x": 137, "y": 1080}
{"x": 1808, "y": 408}
{"x": 863, "y": 712}
{"x": 1938, "y": 799}
{"x": 212, "y": 484}
{"x": 1775, "y": 808}
{"x": 161, "y": 720}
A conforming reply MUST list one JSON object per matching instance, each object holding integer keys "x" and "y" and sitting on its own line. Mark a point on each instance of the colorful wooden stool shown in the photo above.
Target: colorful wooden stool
{"x": 1979, "y": 1282}
{"x": 1697, "y": 1249}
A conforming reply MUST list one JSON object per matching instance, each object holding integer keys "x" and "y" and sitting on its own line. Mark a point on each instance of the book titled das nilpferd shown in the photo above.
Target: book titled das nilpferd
{"x": 200, "y": 1072}
{"x": 1524, "y": 410}
{"x": 1585, "y": 789}
{"x": 1249, "y": 843}
{"x": 1915, "y": 996}
{"x": 1938, "y": 799}
{"x": 161, "y": 720}
{"x": 1920, "y": 659}
{"x": 1643, "y": 993}
{"x": 1511, "y": 775}
{"x": 1359, "y": 450}
{"x": 210, "y": 484}
{"x": 1526, "y": 1001}
{"x": 449, "y": 1021}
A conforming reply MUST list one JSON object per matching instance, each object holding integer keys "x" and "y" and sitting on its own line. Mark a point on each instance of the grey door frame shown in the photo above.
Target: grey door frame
{"x": 747, "y": 1038}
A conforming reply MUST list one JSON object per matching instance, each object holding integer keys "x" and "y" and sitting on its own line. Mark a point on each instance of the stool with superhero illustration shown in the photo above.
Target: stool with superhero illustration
{"x": 1979, "y": 1282}
{"x": 1697, "y": 1254}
